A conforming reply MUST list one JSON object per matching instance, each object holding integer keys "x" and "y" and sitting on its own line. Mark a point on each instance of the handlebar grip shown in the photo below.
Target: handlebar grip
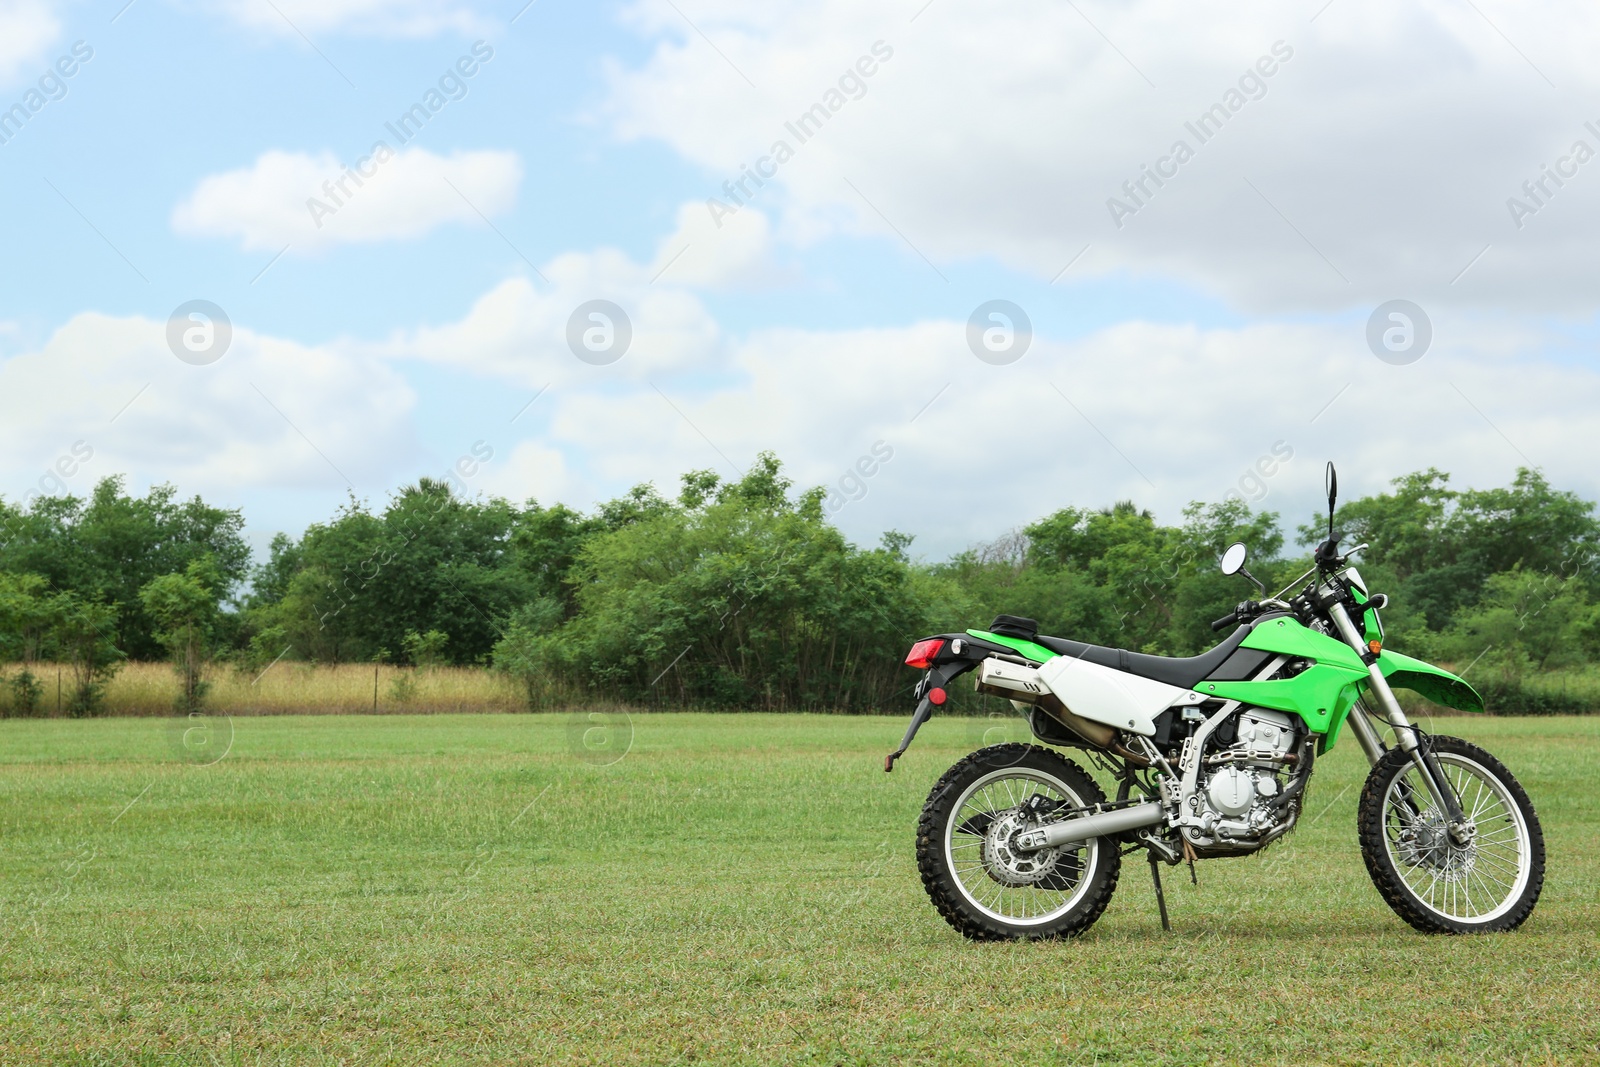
{"x": 1227, "y": 620}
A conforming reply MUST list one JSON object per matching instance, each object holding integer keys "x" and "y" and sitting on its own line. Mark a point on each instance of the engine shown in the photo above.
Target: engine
{"x": 1245, "y": 782}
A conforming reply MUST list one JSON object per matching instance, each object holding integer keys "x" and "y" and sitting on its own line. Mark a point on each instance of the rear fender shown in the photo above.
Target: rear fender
{"x": 946, "y": 667}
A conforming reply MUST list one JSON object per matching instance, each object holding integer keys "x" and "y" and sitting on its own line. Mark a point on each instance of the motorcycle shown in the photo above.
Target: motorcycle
{"x": 1212, "y": 755}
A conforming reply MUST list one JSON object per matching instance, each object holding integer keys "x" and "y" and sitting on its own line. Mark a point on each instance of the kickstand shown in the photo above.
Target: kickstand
{"x": 1161, "y": 898}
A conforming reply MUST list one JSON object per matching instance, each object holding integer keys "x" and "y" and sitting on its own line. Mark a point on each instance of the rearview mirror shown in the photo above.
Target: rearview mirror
{"x": 1233, "y": 559}
{"x": 1330, "y": 482}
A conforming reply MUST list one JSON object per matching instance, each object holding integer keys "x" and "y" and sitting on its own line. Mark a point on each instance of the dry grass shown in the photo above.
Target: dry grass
{"x": 289, "y": 688}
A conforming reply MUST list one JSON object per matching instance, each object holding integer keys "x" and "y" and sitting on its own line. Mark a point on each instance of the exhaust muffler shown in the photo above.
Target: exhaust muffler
{"x": 1101, "y": 824}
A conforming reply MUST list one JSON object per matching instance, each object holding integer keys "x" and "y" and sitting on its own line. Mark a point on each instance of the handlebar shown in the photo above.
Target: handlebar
{"x": 1246, "y": 609}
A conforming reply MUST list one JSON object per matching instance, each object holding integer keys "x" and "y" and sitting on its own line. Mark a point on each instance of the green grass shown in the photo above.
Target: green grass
{"x": 737, "y": 888}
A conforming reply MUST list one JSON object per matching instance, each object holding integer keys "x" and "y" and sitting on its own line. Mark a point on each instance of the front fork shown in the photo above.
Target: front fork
{"x": 1422, "y": 754}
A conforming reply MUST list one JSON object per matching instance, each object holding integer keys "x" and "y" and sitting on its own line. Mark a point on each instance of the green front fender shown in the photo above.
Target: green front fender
{"x": 1426, "y": 680}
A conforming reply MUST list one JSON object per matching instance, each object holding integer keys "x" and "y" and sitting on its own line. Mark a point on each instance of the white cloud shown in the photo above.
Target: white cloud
{"x": 270, "y": 414}
{"x": 529, "y": 470}
{"x": 27, "y": 30}
{"x": 1390, "y": 140}
{"x": 518, "y": 331}
{"x": 312, "y": 202}
{"x": 735, "y": 254}
{"x": 371, "y": 18}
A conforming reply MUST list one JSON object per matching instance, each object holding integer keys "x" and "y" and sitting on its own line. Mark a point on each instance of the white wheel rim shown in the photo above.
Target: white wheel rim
{"x": 1476, "y": 884}
{"x": 998, "y": 793}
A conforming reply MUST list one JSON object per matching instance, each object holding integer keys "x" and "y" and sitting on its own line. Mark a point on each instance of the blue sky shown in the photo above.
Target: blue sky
{"x": 1225, "y": 318}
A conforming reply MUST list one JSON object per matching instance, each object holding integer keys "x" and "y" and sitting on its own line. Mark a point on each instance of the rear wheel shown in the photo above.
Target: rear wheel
{"x": 980, "y": 882}
{"x": 1489, "y": 882}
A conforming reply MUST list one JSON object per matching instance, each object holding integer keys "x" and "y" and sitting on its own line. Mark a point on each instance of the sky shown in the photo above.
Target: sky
{"x": 962, "y": 263}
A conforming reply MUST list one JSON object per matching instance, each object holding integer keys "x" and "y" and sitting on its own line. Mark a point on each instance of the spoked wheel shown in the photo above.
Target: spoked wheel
{"x": 979, "y": 880}
{"x": 1488, "y": 882}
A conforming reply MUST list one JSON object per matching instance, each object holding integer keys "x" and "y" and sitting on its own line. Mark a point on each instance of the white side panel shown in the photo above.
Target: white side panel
{"x": 1113, "y": 697}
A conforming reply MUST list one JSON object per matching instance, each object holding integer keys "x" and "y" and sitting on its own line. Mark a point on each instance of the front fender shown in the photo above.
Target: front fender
{"x": 1434, "y": 683}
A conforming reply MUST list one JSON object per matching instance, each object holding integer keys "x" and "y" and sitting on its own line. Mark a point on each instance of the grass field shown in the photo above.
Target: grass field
{"x": 733, "y": 889}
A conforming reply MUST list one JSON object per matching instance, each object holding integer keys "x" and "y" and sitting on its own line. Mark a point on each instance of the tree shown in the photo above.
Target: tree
{"x": 1525, "y": 621}
{"x": 430, "y": 561}
{"x": 735, "y": 595}
{"x": 1202, "y": 592}
{"x": 27, "y": 614}
{"x": 1407, "y": 529}
{"x": 108, "y": 547}
{"x": 186, "y": 608}
{"x": 545, "y": 542}
{"x": 1109, "y": 574}
{"x": 1527, "y": 525}
{"x": 740, "y": 593}
{"x": 426, "y": 650}
{"x": 528, "y": 654}
{"x": 308, "y": 587}
{"x": 84, "y": 636}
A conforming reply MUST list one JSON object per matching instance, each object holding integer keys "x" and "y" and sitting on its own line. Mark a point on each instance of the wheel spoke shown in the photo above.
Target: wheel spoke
{"x": 1495, "y": 867}
{"x": 989, "y": 804}
{"x": 1433, "y": 885}
{"x": 1501, "y": 856}
{"x": 1495, "y": 887}
{"x": 1480, "y": 801}
{"x": 1466, "y": 891}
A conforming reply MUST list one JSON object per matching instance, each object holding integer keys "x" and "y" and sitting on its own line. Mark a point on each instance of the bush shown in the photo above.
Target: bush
{"x": 528, "y": 655}
{"x": 425, "y": 649}
{"x": 403, "y": 688}
{"x": 26, "y": 694}
{"x": 262, "y": 650}
{"x": 1515, "y": 696}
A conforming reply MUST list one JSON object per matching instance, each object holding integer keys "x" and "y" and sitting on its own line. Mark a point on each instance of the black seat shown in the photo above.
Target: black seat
{"x": 1184, "y": 673}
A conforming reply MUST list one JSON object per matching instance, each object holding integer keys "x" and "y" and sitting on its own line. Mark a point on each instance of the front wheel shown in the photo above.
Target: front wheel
{"x": 1434, "y": 882}
{"x": 981, "y": 883}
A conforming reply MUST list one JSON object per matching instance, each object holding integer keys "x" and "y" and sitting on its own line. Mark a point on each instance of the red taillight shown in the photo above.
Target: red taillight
{"x": 922, "y": 653}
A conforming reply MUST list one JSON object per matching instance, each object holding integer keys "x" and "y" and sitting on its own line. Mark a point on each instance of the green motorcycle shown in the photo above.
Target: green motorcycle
{"x": 1212, "y": 755}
